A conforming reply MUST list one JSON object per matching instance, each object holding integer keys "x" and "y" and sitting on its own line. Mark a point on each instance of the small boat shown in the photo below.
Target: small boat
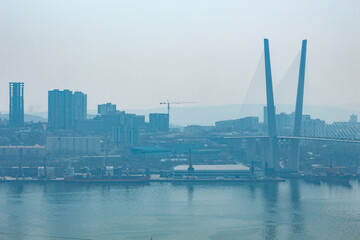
{"x": 315, "y": 179}
{"x": 331, "y": 174}
{"x": 336, "y": 178}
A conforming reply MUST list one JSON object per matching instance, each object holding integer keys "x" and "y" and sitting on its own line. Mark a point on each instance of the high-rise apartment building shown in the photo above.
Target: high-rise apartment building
{"x": 79, "y": 106}
{"x": 353, "y": 118}
{"x": 159, "y": 121}
{"x": 60, "y": 113}
{"x": 105, "y": 109}
{"x": 65, "y": 108}
{"x": 16, "y": 111}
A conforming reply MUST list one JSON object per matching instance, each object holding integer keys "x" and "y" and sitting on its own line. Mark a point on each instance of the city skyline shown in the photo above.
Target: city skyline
{"x": 208, "y": 57}
{"x": 198, "y": 115}
{"x": 182, "y": 119}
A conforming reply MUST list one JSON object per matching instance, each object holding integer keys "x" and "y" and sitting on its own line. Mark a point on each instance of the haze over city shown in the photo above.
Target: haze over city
{"x": 158, "y": 120}
{"x": 138, "y": 53}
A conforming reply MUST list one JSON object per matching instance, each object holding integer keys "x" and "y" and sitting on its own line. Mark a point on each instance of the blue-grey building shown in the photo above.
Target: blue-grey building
{"x": 159, "y": 122}
{"x": 151, "y": 152}
{"x": 16, "y": 111}
{"x": 65, "y": 108}
{"x": 238, "y": 125}
{"x": 79, "y": 106}
{"x": 107, "y": 108}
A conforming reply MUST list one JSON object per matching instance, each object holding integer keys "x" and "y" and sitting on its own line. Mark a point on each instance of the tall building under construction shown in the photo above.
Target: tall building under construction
{"x": 16, "y": 111}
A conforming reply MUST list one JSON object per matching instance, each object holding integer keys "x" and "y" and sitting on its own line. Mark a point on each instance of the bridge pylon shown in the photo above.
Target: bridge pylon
{"x": 273, "y": 155}
{"x": 295, "y": 148}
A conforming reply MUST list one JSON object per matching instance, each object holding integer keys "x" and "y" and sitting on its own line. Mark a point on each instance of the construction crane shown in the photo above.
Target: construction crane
{"x": 168, "y": 104}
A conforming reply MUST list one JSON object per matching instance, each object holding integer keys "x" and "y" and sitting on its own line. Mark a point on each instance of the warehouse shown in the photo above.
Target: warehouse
{"x": 73, "y": 145}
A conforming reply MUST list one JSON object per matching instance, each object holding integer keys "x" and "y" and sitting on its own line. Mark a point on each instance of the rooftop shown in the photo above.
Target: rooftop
{"x": 22, "y": 146}
{"x": 228, "y": 167}
{"x": 148, "y": 149}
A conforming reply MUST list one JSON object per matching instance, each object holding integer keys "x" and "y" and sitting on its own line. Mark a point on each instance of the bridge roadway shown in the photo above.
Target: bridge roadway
{"x": 301, "y": 138}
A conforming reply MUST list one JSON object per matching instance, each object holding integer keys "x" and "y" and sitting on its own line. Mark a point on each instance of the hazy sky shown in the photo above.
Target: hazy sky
{"x": 137, "y": 53}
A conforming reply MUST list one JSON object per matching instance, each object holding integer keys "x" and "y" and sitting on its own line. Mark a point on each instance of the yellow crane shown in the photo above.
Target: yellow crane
{"x": 168, "y": 103}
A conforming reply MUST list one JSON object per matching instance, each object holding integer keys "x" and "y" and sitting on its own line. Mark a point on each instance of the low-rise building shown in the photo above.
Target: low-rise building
{"x": 238, "y": 125}
{"x": 151, "y": 152}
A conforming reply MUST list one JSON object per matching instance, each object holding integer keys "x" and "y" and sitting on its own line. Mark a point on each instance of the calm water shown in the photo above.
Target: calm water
{"x": 289, "y": 210}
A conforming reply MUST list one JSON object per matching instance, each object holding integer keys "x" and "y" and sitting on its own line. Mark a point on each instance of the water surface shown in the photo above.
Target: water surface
{"x": 289, "y": 210}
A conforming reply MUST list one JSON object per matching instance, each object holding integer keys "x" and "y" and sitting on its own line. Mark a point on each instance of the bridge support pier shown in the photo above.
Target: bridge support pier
{"x": 265, "y": 152}
{"x": 251, "y": 147}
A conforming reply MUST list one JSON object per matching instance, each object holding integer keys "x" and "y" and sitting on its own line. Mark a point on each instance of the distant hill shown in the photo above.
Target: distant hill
{"x": 208, "y": 115}
{"x": 27, "y": 117}
{"x": 36, "y": 117}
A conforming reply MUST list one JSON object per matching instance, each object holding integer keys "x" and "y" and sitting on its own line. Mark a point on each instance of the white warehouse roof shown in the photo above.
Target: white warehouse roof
{"x": 228, "y": 167}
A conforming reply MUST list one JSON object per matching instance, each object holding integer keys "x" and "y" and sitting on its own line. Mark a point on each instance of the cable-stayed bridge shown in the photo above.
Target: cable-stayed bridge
{"x": 298, "y": 127}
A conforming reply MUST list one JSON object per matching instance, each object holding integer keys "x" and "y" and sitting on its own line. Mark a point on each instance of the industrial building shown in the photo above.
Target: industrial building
{"x": 73, "y": 145}
{"x": 29, "y": 155}
{"x": 15, "y": 152}
{"x": 233, "y": 171}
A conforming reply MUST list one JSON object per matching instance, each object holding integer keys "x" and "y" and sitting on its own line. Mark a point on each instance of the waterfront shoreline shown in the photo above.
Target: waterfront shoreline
{"x": 160, "y": 180}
